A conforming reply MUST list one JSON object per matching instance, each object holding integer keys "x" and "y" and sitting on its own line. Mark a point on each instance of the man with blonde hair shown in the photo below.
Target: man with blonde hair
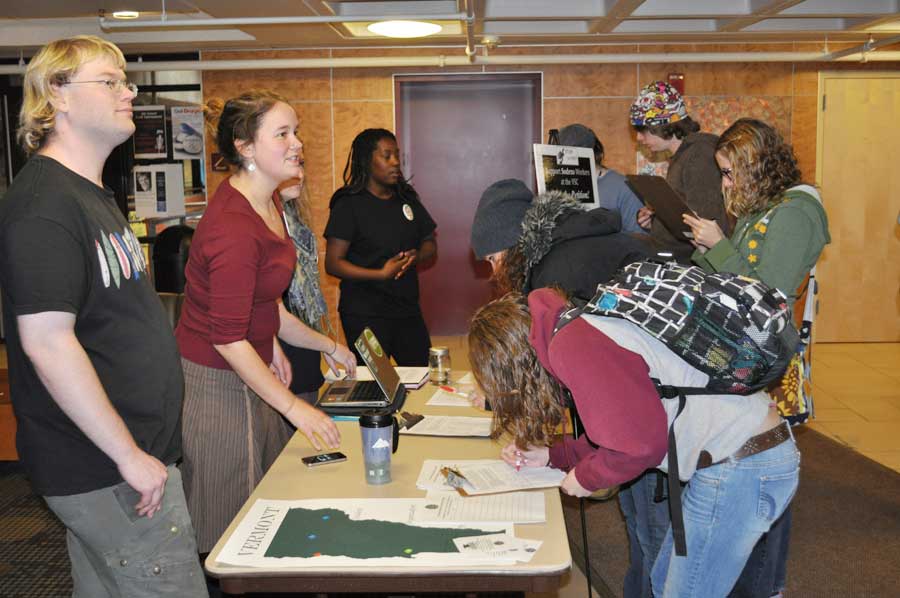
{"x": 95, "y": 377}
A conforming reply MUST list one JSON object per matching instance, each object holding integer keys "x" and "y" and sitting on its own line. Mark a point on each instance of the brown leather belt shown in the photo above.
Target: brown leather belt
{"x": 755, "y": 444}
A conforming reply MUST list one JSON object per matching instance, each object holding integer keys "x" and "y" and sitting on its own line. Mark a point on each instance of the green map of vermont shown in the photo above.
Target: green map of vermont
{"x": 330, "y": 532}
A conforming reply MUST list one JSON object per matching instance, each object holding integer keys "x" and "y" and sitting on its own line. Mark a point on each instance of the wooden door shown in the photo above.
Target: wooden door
{"x": 858, "y": 170}
{"x": 458, "y": 134}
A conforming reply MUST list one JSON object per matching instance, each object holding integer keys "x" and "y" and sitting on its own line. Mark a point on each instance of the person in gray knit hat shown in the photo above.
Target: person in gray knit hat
{"x": 614, "y": 194}
{"x": 549, "y": 240}
{"x": 498, "y": 218}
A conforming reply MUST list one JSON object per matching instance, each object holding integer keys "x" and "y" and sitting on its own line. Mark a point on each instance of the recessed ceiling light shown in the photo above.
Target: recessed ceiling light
{"x": 404, "y": 28}
{"x": 126, "y": 14}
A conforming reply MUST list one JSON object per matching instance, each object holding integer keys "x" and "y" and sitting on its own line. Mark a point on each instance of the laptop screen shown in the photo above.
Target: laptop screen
{"x": 378, "y": 363}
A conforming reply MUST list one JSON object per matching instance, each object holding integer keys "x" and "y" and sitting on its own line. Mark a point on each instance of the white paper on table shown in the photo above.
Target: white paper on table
{"x": 442, "y": 398}
{"x": 499, "y": 545}
{"x": 511, "y": 507}
{"x": 450, "y": 425}
{"x": 431, "y": 478}
{"x": 252, "y": 537}
{"x": 467, "y": 379}
{"x": 497, "y": 476}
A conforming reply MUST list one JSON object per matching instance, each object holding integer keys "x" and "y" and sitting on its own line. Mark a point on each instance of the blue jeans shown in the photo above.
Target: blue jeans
{"x": 727, "y": 508}
{"x": 116, "y": 553}
{"x": 646, "y": 522}
{"x": 765, "y": 573}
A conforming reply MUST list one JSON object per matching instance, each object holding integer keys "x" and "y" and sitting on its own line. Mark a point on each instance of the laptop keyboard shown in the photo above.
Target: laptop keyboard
{"x": 366, "y": 391}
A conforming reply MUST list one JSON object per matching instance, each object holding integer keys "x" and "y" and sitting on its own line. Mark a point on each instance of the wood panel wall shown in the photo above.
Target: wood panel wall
{"x": 335, "y": 104}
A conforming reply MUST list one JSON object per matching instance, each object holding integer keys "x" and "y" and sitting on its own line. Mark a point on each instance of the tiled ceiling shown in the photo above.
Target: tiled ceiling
{"x": 26, "y": 25}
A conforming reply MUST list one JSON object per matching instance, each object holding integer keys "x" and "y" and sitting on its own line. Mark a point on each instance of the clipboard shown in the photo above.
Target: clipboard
{"x": 656, "y": 192}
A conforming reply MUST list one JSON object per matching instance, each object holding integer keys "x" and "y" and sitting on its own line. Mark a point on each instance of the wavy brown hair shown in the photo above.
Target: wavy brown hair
{"x": 763, "y": 166}
{"x": 510, "y": 276}
{"x": 525, "y": 398}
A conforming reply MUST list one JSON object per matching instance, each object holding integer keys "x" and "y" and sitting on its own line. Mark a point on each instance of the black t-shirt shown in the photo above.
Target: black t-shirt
{"x": 64, "y": 246}
{"x": 377, "y": 230}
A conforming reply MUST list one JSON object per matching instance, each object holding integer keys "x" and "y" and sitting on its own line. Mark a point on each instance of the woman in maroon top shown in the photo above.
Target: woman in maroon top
{"x": 236, "y": 375}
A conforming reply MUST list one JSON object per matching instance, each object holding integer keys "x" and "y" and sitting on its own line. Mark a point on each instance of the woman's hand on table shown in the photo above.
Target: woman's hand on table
{"x": 314, "y": 424}
{"x": 530, "y": 457}
{"x": 341, "y": 355}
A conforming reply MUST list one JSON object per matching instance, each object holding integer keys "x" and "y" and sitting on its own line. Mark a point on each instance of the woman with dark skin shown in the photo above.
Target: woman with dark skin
{"x": 377, "y": 233}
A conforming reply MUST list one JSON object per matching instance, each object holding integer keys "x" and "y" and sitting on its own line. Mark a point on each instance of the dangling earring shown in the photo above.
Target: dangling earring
{"x": 251, "y": 167}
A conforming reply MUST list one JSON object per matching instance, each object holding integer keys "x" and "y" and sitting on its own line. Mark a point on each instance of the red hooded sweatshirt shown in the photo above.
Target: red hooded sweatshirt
{"x": 624, "y": 421}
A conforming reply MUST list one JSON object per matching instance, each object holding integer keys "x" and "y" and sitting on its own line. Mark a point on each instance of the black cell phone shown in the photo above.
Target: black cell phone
{"x": 324, "y": 459}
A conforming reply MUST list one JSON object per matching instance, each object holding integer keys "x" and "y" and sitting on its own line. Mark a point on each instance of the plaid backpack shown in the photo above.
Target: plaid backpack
{"x": 735, "y": 329}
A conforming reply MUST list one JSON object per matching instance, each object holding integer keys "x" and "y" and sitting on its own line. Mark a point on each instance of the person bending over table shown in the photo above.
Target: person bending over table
{"x": 727, "y": 444}
{"x": 236, "y": 376}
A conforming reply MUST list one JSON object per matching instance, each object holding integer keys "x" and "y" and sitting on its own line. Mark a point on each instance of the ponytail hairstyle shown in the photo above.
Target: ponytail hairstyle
{"x": 525, "y": 399}
{"x": 238, "y": 119}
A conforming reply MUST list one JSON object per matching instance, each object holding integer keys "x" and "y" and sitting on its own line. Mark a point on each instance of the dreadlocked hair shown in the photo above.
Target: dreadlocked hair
{"x": 526, "y": 400}
{"x": 358, "y": 168}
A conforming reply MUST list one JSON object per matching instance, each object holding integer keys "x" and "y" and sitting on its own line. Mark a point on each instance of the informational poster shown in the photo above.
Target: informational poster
{"x": 187, "y": 132}
{"x": 567, "y": 169}
{"x": 383, "y": 532}
{"x": 159, "y": 190}
{"x": 150, "y": 132}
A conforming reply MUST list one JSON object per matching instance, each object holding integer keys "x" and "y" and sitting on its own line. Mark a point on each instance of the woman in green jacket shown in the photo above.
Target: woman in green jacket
{"x": 780, "y": 232}
{"x": 781, "y": 227}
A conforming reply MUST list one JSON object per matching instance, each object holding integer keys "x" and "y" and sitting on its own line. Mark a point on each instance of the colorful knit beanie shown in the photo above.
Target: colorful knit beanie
{"x": 658, "y": 104}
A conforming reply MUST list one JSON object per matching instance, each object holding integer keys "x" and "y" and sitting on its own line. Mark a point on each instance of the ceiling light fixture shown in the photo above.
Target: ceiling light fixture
{"x": 405, "y": 29}
{"x": 126, "y": 14}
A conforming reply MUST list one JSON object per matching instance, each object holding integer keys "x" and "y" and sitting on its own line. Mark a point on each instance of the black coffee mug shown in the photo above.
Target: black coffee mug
{"x": 382, "y": 420}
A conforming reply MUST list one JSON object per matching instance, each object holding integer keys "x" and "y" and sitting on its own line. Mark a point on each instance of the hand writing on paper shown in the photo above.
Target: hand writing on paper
{"x": 530, "y": 457}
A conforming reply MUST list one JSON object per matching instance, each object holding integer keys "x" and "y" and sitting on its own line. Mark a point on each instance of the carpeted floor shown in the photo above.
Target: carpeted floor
{"x": 845, "y": 541}
{"x": 33, "y": 558}
{"x": 846, "y": 536}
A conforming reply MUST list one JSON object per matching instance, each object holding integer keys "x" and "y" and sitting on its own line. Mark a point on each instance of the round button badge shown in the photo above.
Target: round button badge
{"x": 407, "y": 211}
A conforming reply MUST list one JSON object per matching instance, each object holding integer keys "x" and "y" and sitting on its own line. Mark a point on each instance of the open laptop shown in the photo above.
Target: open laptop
{"x": 656, "y": 192}
{"x": 384, "y": 391}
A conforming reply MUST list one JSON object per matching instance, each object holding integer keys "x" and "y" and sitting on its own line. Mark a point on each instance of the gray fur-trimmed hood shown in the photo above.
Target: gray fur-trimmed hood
{"x": 553, "y": 218}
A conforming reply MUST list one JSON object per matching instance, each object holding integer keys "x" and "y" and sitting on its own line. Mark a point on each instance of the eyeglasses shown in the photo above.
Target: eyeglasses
{"x": 114, "y": 85}
{"x": 728, "y": 173}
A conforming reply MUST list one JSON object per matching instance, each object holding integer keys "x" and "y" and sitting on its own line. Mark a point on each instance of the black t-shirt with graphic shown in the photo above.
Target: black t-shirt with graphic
{"x": 64, "y": 246}
{"x": 377, "y": 230}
